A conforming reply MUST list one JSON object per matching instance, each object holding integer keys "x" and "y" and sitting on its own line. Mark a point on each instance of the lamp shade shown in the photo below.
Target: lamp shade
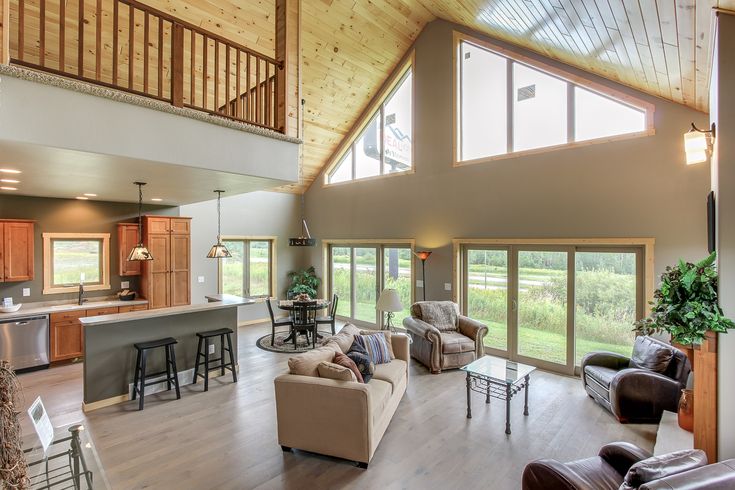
{"x": 219, "y": 251}
{"x": 423, "y": 254}
{"x": 696, "y": 145}
{"x": 389, "y": 301}
{"x": 139, "y": 252}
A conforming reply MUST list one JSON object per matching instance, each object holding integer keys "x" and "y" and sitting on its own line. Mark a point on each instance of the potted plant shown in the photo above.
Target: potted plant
{"x": 685, "y": 305}
{"x": 304, "y": 281}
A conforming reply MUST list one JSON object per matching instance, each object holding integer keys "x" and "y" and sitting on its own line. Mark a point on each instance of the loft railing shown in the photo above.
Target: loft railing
{"x": 125, "y": 45}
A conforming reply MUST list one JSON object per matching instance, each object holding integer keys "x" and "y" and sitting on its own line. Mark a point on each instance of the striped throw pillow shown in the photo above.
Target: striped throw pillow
{"x": 376, "y": 347}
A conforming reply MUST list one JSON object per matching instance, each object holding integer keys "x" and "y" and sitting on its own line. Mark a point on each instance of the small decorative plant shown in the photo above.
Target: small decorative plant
{"x": 685, "y": 305}
{"x": 304, "y": 281}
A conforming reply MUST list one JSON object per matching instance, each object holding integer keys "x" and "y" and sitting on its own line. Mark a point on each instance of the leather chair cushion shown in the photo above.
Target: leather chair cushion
{"x": 455, "y": 342}
{"x": 443, "y": 315}
{"x": 651, "y": 354}
{"x": 393, "y": 372}
{"x": 602, "y": 375}
{"x": 662, "y": 466}
{"x": 596, "y": 473}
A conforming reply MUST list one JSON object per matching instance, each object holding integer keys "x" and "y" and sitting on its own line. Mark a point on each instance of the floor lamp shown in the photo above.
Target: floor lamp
{"x": 423, "y": 255}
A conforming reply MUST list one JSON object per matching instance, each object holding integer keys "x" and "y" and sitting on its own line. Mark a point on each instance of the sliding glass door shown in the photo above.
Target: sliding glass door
{"x": 486, "y": 293}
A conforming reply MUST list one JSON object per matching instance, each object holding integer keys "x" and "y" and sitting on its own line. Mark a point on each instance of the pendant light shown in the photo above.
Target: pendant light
{"x": 140, "y": 252}
{"x": 304, "y": 240}
{"x": 218, "y": 250}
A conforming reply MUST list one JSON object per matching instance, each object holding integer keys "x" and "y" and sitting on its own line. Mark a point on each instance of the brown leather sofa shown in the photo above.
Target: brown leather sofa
{"x": 637, "y": 388}
{"x": 620, "y": 465}
{"x": 442, "y": 338}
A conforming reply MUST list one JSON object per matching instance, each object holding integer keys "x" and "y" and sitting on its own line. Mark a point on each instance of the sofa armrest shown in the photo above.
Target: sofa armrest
{"x": 643, "y": 394}
{"x": 474, "y": 330}
{"x": 718, "y": 476}
{"x": 422, "y": 329}
{"x": 622, "y": 455}
{"x": 400, "y": 344}
{"x": 325, "y": 416}
{"x": 549, "y": 474}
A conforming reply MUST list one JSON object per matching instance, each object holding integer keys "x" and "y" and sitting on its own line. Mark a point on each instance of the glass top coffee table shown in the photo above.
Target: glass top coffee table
{"x": 498, "y": 378}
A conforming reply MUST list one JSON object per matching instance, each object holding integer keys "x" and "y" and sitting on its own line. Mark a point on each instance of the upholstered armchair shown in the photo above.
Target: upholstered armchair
{"x": 442, "y": 338}
{"x": 637, "y": 388}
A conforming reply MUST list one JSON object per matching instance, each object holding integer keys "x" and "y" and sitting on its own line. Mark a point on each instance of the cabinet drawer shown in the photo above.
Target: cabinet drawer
{"x": 102, "y": 311}
{"x": 66, "y": 316}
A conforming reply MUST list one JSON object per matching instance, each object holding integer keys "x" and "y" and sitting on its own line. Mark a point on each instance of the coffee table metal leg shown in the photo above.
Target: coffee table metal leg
{"x": 487, "y": 393}
{"x": 508, "y": 395}
{"x": 469, "y": 407}
{"x": 525, "y": 406}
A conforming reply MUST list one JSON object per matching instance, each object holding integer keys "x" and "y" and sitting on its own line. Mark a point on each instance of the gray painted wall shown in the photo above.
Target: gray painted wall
{"x": 722, "y": 112}
{"x": 254, "y": 214}
{"x": 639, "y": 187}
{"x": 70, "y": 216}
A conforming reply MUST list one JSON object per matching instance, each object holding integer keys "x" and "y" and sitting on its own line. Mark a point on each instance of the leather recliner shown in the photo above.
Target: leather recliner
{"x": 637, "y": 388}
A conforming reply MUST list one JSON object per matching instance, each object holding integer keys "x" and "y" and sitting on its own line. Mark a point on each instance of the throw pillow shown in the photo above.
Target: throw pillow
{"x": 441, "y": 314}
{"x": 360, "y": 357}
{"x": 386, "y": 334}
{"x": 662, "y": 466}
{"x": 343, "y": 339}
{"x": 651, "y": 354}
{"x": 343, "y": 360}
{"x": 331, "y": 370}
{"x": 306, "y": 364}
{"x": 376, "y": 347}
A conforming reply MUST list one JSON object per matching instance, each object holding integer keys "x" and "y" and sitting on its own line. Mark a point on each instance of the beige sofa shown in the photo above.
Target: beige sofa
{"x": 345, "y": 419}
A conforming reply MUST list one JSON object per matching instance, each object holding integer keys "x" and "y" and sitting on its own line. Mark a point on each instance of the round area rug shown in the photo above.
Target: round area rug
{"x": 287, "y": 347}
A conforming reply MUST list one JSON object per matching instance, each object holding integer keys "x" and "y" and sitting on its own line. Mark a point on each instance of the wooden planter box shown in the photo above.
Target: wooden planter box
{"x": 705, "y": 396}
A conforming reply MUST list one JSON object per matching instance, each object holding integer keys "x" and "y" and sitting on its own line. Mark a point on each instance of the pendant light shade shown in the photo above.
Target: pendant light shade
{"x": 218, "y": 250}
{"x": 140, "y": 252}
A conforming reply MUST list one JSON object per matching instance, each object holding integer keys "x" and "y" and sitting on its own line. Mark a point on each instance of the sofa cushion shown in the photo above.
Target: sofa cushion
{"x": 345, "y": 361}
{"x": 651, "y": 354}
{"x": 332, "y": 370}
{"x": 344, "y": 339}
{"x": 443, "y": 315}
{"x": 359, "y": 355}
{"x": 380, "y": 393}
{"x": 388, "y": 339}
{"x": 392, "y": 372}
{"x": 455, "y": 342}
{"x": 662, "y": 466}
{"x": 351, "y": 329}
{"x": 376, "y": 347}
{"x": 306, "y": 364}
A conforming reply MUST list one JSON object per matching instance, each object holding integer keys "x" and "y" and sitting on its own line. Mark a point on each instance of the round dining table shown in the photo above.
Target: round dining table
{"x": 297, "y": 307}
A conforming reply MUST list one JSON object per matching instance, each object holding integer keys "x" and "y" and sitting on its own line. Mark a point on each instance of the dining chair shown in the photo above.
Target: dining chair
{"x": 329, "y": 319}
{"x": 305, "y": 321}
{"x": 281, "y": 322}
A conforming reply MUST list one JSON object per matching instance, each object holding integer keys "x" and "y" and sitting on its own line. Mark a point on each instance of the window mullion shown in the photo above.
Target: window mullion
{"x": 571, "y": 136}
{"x": 246, "y": 267}
{"x": 509, "y": 104}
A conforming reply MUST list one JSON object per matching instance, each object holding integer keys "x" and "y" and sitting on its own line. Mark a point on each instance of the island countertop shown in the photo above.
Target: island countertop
{"x": 163, "y": 312}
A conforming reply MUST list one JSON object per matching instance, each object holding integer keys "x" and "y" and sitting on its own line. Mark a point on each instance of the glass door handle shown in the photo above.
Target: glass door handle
{"x": 514, "y": 305}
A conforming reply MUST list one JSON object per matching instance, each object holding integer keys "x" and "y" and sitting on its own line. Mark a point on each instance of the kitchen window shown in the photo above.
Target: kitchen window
{"x": 70, "y": 259}
{"x": 249, "y": 272}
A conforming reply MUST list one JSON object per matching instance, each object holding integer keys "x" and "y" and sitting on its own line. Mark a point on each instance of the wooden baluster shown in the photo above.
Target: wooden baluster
{"x": 42, "y": 34}
{"x": 228, "y": 98}
{"x": 192, "y": 76}
{"x": 205, "y": 49}
{"x": 98, "y": 42}
{"x": 62, "y": 35}
{"x": 115, "y": 28}
{"x": 257, "y": 91}
{"x": 267, "y": 88}
{"x": 177, "y": 65}
{"x": 216, "y": 75}
{"x": 160, "y": 57}
{"x": 80, "y": 47}
{"x": 21, "y": 28}
{"x": 276, "y": 73}
{"x": 238, "y": 94}
{"x": 247, "y": 88}
{"x": 145, "y": 53}
{"x": 131, "y": 46}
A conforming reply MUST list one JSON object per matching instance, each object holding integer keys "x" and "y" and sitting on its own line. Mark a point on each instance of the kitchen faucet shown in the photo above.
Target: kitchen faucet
{"x": 81, "y": 294}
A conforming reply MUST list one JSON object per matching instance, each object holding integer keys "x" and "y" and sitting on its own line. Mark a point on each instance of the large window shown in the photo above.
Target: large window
{"x": 359, "y": 272}
{"x": 385, "y": 144}
{"x": 507, "y": 106}
{"x": 249, "y": 272}
{"x": 523, "y": 292}
{"x": 73, "y": 258}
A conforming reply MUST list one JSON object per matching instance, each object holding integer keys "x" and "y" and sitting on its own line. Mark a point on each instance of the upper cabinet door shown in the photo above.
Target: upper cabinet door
{"x": 17, "y": 253}
{"x": 156, "y": 224}
{"x": 127, "y": 234}
{"x": 180, "y": 226}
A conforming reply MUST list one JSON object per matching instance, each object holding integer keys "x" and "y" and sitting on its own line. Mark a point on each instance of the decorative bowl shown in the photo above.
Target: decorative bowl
{"x": 127, "y": 297}
{"x": 10, "y": 309}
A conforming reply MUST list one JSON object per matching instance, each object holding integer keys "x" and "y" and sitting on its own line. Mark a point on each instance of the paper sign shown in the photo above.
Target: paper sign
{"x": 41, "y": 423}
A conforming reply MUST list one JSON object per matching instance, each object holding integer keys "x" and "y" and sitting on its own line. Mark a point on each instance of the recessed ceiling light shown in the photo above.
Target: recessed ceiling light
{"x": 156, "y": 199}
{"x": 82, "y": 198}
{"x": 9, "y": 188}
{"x": 10, "y": 181}
{"x": 89, "y": 194}
{"x": 9, "y": 171}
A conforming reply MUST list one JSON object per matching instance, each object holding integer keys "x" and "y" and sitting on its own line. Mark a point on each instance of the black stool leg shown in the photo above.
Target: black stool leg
{"x": 232, "y": 358}
{"x": 222, "y": 354}
{"x": 141, "y": 390}
{"x": 168, "y": 370}
{"x": 333, "y": 327}
{"x": 136, "y": 378}
{"x": 175, "y": 371}
{"x": 196, "y": 364}
{"x": 206, "y": 364}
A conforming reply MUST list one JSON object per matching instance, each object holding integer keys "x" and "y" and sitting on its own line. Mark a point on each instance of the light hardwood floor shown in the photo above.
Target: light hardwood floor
{"x": 226, "y": 438}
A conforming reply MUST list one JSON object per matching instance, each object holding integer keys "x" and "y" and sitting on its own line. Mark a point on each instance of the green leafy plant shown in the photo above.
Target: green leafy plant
{"x": 304, "y": 281}
{"x": 685, "y": 306}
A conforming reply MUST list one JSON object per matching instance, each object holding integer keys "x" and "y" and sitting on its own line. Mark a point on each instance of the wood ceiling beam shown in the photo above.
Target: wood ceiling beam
{"x": 288, "y": 54}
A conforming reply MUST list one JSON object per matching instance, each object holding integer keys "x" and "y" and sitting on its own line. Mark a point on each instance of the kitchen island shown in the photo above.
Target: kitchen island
{"x": 109, "y": 355}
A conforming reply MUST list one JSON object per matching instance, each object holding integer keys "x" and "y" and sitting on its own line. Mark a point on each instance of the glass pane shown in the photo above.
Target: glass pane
{"x": 341, "y": 282}
{"x": 260, "y": 268}
{"x": 367, "y": 151}
{"x": 74, "y": 260}
{"x": 487, "y": 293}
{"x": 596, "y": 116}
{"x": 483, "y": 101}
{"x": 605, "y": 296}
{"x": 233, "y": 267}
{"x": 539, "y": 109}
{"x": 343, "y": 171}
{"x": 366, "y": 284}
{"x": 398, "y": 130}
{"x": 542, "y": 305}
{"x": 397, "y": 265}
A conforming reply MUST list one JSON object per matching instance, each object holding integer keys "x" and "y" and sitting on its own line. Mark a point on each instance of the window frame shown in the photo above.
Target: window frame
{"x": 49, "y": 287}
{"x": 272, "y": 240}
{"x": 570, "y": 79}
{"x": 376, "y": 108}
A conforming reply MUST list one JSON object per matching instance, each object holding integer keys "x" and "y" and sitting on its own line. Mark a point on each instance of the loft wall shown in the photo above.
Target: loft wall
{"x": 638, "y": 187}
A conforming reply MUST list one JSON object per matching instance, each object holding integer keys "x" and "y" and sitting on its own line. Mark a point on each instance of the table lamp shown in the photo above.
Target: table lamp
{"x": 390, "y": 303}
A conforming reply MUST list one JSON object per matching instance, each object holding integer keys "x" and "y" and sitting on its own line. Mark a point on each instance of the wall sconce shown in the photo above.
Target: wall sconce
{"x": 698, "y": 144}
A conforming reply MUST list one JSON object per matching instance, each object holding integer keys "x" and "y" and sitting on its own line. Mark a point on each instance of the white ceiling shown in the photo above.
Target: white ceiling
{"x": 61, "y": 173}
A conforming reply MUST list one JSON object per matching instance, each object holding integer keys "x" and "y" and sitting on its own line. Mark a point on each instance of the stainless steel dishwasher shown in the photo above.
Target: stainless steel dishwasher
{"x": 24, "y": 342}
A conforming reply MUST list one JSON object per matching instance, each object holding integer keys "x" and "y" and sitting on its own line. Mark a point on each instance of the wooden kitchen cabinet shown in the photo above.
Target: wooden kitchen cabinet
{"x": 166, "y": 280}
{"x": 127, "y": 309}
{"x": 16, "y": 250}
{"x": 127, "y": 238}
{"x": 65, "y": 335}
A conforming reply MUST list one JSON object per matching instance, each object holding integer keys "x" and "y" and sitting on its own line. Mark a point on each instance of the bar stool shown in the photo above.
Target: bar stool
{"x": 204, "y": 338}
{"x": 172, "y": 375}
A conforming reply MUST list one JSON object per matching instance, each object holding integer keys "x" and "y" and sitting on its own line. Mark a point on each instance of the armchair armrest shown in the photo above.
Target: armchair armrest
{"x": 549, "y": 474}
{"x": 622, "y": 455}
{"x": 474, "y": 330}
{"x": 643, "y": 394}
{"x": 604, "y": 359}
{"x": 421, "y": 329}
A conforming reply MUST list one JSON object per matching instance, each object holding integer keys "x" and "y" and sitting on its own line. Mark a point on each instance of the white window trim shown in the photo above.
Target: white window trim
{"x": 50, "y": 288}
{"x": 597, "y": 88}
{"x": 273, "y": 248}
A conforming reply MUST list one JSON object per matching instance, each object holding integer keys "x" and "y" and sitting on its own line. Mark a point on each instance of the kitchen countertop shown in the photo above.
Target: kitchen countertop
{"x": 162, "y": 312}
{"x": 31, "y": 309}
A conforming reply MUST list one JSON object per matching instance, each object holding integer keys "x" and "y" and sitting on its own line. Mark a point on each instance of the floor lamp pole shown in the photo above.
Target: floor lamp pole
{"x": 423, "y": 275}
